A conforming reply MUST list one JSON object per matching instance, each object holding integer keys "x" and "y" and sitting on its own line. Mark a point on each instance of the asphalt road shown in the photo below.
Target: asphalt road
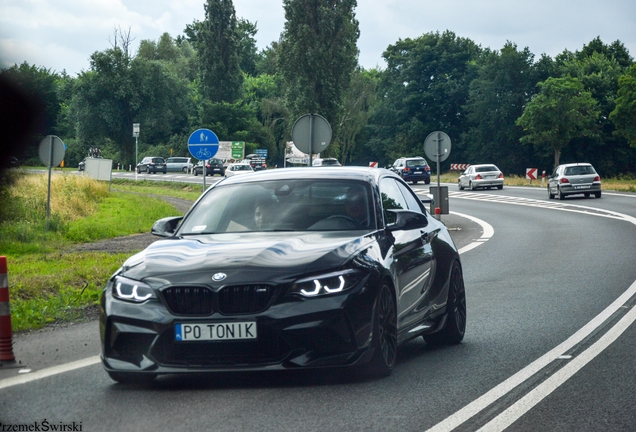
{"x": 550, "y": 345}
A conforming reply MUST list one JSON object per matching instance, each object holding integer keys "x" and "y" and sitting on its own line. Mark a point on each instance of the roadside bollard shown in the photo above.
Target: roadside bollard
{"x": 6, "y": 332}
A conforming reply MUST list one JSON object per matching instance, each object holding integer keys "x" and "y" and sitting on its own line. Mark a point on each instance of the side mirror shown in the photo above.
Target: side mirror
{"x": 406, "y": 220}
{"x": 166, "y": 227}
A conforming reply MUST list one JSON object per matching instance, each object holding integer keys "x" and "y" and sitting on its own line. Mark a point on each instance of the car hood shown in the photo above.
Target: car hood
{"x": 244, "y": 258}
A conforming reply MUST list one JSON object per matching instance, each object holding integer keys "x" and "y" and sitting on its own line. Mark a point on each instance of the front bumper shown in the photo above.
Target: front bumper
{"x": 292, "y": 333}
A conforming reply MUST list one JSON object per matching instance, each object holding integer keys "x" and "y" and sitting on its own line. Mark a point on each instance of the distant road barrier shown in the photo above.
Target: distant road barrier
{"x": 459, "y": 167}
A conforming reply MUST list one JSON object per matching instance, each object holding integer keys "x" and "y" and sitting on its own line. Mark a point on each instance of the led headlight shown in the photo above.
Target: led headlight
{"x": 131, "y": 290}
{"x": 328, "y": 283}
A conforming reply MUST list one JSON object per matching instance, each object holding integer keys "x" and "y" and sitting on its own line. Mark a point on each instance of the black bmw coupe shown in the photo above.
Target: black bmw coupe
{"x": 286, "y": 269}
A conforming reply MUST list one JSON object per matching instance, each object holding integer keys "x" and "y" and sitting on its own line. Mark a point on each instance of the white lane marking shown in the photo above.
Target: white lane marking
{"x": 479, "y": 404}
{"x": 543, "y": 390}
{"x": 509, "y": 384}
{"x": 488, "y": 232}
{"x": 43, "y": 373}
{"x": 551, "y": 205}
{"x": 619, "y": 194}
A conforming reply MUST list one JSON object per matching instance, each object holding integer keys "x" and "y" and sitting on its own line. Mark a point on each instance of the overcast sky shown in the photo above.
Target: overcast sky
{"x": 62, "y": 34}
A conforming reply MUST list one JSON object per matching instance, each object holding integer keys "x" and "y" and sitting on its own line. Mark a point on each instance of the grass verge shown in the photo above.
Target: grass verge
{"x": 47, "y": 281}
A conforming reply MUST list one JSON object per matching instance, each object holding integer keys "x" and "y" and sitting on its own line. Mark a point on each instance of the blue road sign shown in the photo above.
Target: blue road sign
{"x": 203, "y": 144}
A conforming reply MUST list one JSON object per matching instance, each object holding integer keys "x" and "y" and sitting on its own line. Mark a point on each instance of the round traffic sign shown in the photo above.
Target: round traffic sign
{"x": 203, "y": 144}
{"x": 311, "y": 133}
{"x": 437, "y": 146}
{"x": 51, "y": 150}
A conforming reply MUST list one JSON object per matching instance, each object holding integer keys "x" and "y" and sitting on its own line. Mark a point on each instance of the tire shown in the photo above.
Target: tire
{"x": 560, "y": 194}
{"x": 184, "y": 170}
{"x": 455, "y": 327}
{"x": 586, "y": 195}
{"x": 147, "y": 170}
{"x": 384, "y": 342}
{"x": 500, "y": 187}
{"x": 165, "y": 172}
{"x": 472, "y": 186}
{"x": 131, "y": 377}
{"x": 597, "y": 194}
{"x": 459, "y": 185}
{"x": 415, "y": 182}
{"x": 428, "y": 181}
{"x": 196, "y": 173}
{"x": 550, "y": 194}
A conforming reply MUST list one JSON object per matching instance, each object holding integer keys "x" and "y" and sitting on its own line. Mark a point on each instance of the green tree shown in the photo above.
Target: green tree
{"x": 423, "y": 89}
{"x": 359, "y": 100}
{"x": 118, "y": 91}
{"x": 615, "y": 51}
{"x": 318, "y": 54}
{"x": 217, "y": 42}
{"x": 599, "y": 75}
{"x": 561, "y": 111}
{"x": 267, "y": 62}
{"x": 624, "y": 114}
{"x": 504, "y": 85}
{"x": 249, "y": 53}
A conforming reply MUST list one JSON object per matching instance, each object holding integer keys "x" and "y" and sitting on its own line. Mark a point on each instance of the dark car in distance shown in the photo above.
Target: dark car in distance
{"x": 152, "y": 164}
{"x": 412, "y": 169}
{"x": 286, "y": 269}
{"x": 212, "y": 167}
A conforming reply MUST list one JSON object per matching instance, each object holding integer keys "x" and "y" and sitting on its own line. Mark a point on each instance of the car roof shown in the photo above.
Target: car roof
{"x": 576, "y": 164}
{"x": 366, "y": 174}
{"x": 412, "y": 158}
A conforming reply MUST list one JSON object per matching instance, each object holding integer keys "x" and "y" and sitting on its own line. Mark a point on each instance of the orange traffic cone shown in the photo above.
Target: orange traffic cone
{"x": 6, "y": 332}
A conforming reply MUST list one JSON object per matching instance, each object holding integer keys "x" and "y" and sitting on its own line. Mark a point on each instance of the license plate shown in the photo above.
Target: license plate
{"x": 581, "y": 187}
{"x": 215, "y": 331}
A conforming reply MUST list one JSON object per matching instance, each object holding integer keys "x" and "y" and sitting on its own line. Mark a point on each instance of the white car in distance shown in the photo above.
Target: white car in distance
{"x": 238, "y": 169}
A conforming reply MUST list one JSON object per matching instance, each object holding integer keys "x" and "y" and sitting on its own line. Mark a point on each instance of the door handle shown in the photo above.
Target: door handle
{"x": 424, "y": 235}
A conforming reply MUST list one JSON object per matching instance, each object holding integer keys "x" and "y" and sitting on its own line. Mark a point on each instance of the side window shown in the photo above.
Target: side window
{"x": 392, "y": 198}
{"x": 412, "y": 202}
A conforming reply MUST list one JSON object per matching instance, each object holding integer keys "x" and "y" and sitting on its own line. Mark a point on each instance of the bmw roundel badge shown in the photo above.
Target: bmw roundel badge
{"x": 219, "y": 277}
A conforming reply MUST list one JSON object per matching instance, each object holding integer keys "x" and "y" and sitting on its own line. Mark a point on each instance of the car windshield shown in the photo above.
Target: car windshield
{"x": 282, "y": 205}
{"x": 416, "y": 163}
{"x": 486, "y": 168}
{"x": 579, "y": 170}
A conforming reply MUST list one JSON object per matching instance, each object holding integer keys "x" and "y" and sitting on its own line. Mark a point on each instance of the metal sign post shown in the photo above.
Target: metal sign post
{"x": 136, "y": 135}
{"x": 51, "y": 152}
{"x": 437, "y": 147}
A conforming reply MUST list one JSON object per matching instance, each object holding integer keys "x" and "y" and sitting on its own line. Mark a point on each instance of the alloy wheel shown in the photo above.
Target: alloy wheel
{"x": 387, "y": 327}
